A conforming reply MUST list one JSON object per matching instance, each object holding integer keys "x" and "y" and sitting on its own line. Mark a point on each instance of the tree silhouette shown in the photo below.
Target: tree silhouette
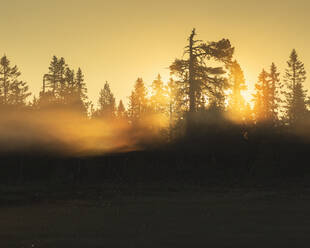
{"x": 106, "y": 102}
{"x": 275, "y": 91}
{"x": 218, "y": 97}
{"x": 159, "y": 100}
{"x": 262, "y": 98}
{"x": 74, "y": 91}
{"x": 67, "y": 89}
{"x": 174, "y": 104}
{"x": 197, "y": 79}
{"x": 138, "y": 103}
{"x": 121, "y": 111}
{"x": 63, "y": 87}
{"x": 53, "y": 90}
{"x": 52, "y": 76}
{"x": 295, "y": 103}
{"x": 237, "y": 105}
{"x": 81, "y": 86}
{"x": 80, "y": 92}
{"x": 12, "y": 90}
{"x": 55, "y": 76}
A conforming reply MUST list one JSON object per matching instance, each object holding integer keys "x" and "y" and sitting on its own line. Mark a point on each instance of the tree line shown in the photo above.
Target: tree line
{"x": 205, "y": 82}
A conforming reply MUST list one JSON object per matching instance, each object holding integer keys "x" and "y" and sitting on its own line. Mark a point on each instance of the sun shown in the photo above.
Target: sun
{"x": 248, "y": 96}
{"x": 248, "y": 93}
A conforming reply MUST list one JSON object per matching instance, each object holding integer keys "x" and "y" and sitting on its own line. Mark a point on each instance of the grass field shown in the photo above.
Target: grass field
{"x": 188, "y": 218}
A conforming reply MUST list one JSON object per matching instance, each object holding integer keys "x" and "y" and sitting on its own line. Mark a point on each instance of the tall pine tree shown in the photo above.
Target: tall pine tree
{"x": 159, "y": 99}
{"x": 138, "y": 102}
{"x": 262, "y": 98}
{"x": 236, "y": 104}
{"x": 196, "y": 76}
{"x": 275, "y": 92}
{"x": 295, "y": 103}
{"x": 106, "y": 102}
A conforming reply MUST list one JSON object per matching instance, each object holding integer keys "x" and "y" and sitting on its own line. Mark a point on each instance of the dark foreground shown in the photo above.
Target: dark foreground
{"x": 158, "y": 216}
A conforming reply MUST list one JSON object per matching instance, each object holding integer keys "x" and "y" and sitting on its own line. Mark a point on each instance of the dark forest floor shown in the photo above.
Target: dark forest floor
{"x": 153, "y": 216}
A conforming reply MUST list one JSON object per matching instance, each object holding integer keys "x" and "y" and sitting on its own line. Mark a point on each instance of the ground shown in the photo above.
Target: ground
{"x": 169, "y": 218}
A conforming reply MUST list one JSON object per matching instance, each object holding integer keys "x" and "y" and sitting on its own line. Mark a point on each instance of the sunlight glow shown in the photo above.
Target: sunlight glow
{"x": 248, "y": 96}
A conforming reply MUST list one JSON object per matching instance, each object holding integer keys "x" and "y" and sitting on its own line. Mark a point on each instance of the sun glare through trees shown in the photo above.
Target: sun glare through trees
{"x": 207, "y": 85}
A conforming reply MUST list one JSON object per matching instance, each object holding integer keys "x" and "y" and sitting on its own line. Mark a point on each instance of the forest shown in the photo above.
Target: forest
{"x": 197, "y": 127}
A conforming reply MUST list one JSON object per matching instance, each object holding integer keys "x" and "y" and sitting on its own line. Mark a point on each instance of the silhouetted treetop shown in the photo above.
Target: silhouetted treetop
{"x": 296, "y": 103}
{"x": 12, "y": 90}
{"x": 200, "y": 82}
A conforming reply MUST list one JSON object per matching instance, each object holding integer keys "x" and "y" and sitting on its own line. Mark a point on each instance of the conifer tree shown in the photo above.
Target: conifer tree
{"x": 275, "y": 91}
{"x": 62, "y": 86}
{"x": 237, "y": 105}
{"x": 52, "y": 76}
{"x": 106, "y": 103}
{"x": 12, "y": 90}
{"x": 173, "y": 101}
{"x": 262, "y": 98}
{"x": 54, "y": 80}
{"x": 80, "y": 91}
{"x": 81, "y": 85}
{"x": 138, "y": 103}
{"x": 64, "y": 73}
{"x": 174, "y": 105}
{"x": 218, "y": 97}
{"x": 196, "y": 76}
{"x": 295, "y": 103}
{"x": 258, "y": 105}
{"x": 67, "y": 93}
{"x": 18, "y": 93}
{"x": 159, "y": 98}
{"x": 121, "y": 111}
{"x": 267, "y": 100}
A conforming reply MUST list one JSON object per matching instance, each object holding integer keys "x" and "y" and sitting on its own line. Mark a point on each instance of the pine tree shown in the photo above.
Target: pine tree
{"x": 67, "y": 94}
{"x": 18, "y": 93}
{"x": 267, "y": 98}
{"x": 174, "y": 105}
{"x": 295, "y": 103}
{"x": 63, "y": 87}
{"x": 106, "y": 103}
{"x": 198, "y": 78}
{"x": 218, "y": 97}
{"x": 12, "y": 90}
{"x": 258, "y": 106}
{"x": 138, "y": 103}
{"x": 275, "y": 90}
{"x": 173, "y": 101}
{"x": 121, "y": 111}
{"x": 52, "y": 76}
{"x": 262, "y": 98}
{"x": 80, "y": 92}
{"x": 237, "y": 105}
{"x": 54, "y": 80}
{"x": 81, "y": 85}
{"x": 159, "y": 100}
{"x": 64, "y": 74}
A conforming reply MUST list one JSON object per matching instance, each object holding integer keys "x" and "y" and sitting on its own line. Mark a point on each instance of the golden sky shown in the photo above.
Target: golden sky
{"x": 119, "y": 41}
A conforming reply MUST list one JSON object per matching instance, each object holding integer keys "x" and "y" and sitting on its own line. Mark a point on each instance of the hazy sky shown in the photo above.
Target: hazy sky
{"x": 119, "y": 41}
